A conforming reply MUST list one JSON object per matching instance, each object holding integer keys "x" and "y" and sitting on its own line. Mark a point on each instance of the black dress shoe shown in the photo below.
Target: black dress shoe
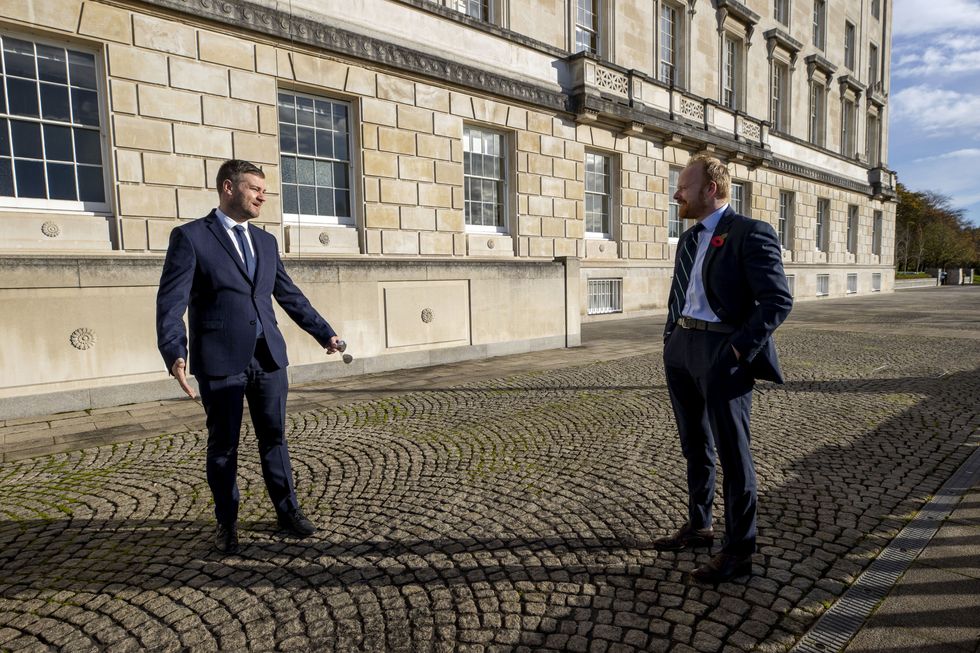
{"x": 685, "y": 538}
{"x": 226, "y": 538}
{"x": 722, "y": 567}
{"x": 295, "y": 523}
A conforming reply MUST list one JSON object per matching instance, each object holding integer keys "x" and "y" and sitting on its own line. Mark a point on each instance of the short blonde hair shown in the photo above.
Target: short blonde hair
{"x": 716, "y": 171}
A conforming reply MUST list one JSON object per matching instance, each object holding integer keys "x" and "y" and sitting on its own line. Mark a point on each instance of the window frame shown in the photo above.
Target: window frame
{"x": 610, "y": 200}
{"x": 822, "y": 229}
{"x": 673, "y": 208}
{"x": 850, "y": 42}
{"x": 732, "y": 69}
{"x": 744, "y": 193}
{"x": 486, "y": 7}
{"x": 505, "y": 182}
{"x": 818, "y": 114}
{"x": 820, "y": 24}
{"x": 873, "y": 56}
{"x": 823, "y": 279}
{"x": 873, "y": 140}
{"x": 596, "y": 29}
{"x": 877, "y": 224}
{"x": 786, "y": 219}
{"x": 779, "y": 96}
{"x": 61, "y": 206}
{"x": 305, "y": 219}
{"x": 678, "y": 38}
{"x": 853, "y": 227}
{"x": 604, "y": 287}
{"x": 781, "y": 12}
{"x": 852, "y": 283}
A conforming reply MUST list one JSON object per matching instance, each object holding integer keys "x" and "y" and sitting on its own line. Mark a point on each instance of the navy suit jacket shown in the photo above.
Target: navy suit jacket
{"x": 746, "y": 288}
{"x": 204, "y": 274}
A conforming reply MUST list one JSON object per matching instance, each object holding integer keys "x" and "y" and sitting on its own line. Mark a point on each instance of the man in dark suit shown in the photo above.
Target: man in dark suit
{"x": 225, "y": 272}
{"x": 728, "y": 295}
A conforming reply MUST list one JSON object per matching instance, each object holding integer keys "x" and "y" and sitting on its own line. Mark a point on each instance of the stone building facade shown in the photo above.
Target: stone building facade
{"x": 448, "y": 179}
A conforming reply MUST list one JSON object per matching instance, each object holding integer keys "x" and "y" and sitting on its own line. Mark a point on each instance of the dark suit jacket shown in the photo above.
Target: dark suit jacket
{"x": 204, "y": 274}
{"x": 746, "y": 288}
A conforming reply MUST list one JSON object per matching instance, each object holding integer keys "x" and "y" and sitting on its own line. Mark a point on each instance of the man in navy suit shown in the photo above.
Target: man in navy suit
{"x": 728, "y": 295}
{"x": 225, "y": 272}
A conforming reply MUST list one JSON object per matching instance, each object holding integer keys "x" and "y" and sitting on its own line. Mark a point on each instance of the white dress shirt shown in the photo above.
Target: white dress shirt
{"x": 696, "y": 300}
{"x": 229, "y": 226}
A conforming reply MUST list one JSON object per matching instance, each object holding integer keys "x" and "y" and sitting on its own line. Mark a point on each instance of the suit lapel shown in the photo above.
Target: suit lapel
{"x": 721, "y": 230}
{"x": 216, "y": 228}
{"x": 260, "y": 257}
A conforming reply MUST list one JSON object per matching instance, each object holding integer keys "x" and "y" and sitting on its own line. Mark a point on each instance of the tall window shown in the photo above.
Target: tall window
{"x": 818, "y": 113}
{"x": 849, "y": 45}
{"x": 873, "y": 140}
{"x": 478, "y": 9}
{"x": 876, "y": 8}
{"x": 597, "y": 194}
{"x": 50, "y": 129}
{"x": 674, "y": 223}
{"x": 484, "y": 178}
{"x": 785, "y": 226}
{"x": 847, "y": 127}
{"x": 852, "y": 228}
{"x": 819, "y": 23}
{"x": 781, "y": 11}
{"x": 731, "y": 72}
{"x": 738, "y": 197}
{"x": 872, "y": 65}
{"x": 587, "y": 13}
{"x": 669, "y": 40}
{"x": 823, "y": 224}
{"x": 314, "y": 143}
{"x": 779, "y": 102}
{"x": 876, "y": 233}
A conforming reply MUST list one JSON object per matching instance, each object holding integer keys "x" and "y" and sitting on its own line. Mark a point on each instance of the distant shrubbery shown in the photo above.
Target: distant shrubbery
{"x": 913, "y": 275}
{"x": 931, "y": 233}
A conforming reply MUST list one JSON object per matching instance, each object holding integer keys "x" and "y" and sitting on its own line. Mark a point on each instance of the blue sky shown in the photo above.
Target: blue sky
{"x": 935, "y": 99}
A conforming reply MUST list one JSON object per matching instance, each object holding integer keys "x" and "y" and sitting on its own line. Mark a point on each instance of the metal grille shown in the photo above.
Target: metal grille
{"x": 852, "y": 284}
{"x": 605, "y": 296}
{"x": 791, "y": 282}
{"x": 876, "y": 282}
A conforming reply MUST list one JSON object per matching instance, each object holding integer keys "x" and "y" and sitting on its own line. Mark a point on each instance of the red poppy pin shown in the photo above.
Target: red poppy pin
{"x": 719, "y": 240}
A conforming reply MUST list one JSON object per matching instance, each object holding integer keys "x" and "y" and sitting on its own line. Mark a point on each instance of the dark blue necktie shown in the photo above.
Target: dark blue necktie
{"x": 246, "y": 251}
{"x": 682, "y": 275}
{"x": 249, "y": 265}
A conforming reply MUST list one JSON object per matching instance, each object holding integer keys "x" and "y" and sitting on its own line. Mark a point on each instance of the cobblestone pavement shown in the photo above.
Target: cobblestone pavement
{"x": 509, "y": 514}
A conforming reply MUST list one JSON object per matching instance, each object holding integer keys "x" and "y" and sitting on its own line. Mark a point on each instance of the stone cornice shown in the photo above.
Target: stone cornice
{"x": 778, "y": 37}
{"x": 300, "y": 29}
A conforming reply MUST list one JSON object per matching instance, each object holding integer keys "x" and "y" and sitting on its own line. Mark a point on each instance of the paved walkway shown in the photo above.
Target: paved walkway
{"x": 509, "y": 504}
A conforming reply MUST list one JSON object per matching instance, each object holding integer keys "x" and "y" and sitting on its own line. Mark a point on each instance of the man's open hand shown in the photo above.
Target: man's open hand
{"x": 178, "y": 370}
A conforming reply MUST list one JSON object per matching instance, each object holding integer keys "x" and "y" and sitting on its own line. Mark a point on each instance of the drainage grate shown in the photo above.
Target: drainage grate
{"x": 841, "y": 622}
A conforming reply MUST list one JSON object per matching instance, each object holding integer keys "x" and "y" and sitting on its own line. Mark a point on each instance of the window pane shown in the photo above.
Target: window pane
{"x": 57, "y": 143}
{"x": 340, "y": 179}
{"x": 88, "y": 146}
{"x": 30, "y": 178}
{"x": 307, "y": 200}
{"x": 290, "y": 199}
{"x": 340, "y": 118}
{"x": 54, "y": 103}
{"x": 51, "y": 65}
{"x": 304, "y": 111}
{"x": 91, "y": 188}
{"x": 340, "y": 147}
{"x": 288, "y": 169}
{"x": 19, "y": 58}
{"x": 323, "y": 114}
{"x": 324, "y": 173}
{"x": 61, "y": 181}
{"x": 342, "y": 201}
{"x": 85, "y": 107}
{"x": 305, "y": 141}
{"x": 287, "y": 138}
{"x": 26, "y": 139}
{"x": 4, "y": 138}
{"x": 81, "y": 67}
{"x": 287, "y": 108}
{"x": 6, "y": 178}
{"x": 305, "y": 171}
{"x": 23, "y": 97}
{"x": 324, "y": 144}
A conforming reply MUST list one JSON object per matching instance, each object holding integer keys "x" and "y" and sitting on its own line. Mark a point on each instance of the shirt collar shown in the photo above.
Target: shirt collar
{"x": 711, "y": 221}
{"x": 227, "y": 222}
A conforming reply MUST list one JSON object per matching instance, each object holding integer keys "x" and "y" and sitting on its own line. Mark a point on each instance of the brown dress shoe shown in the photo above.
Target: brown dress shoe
{"x": 722, "y": 567}
{"x": 685, "y": 538}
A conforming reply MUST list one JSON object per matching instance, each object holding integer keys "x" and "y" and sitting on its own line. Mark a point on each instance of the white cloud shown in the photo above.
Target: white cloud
{"x": 937, "y": 111}
{"x": 939, "y": 60}
{"x": 945, "y": 174}
{"x": 920, "y": 17}
{"x": 966, "y": 153}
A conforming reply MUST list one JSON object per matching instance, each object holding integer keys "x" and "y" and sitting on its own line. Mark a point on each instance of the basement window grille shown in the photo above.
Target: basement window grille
{"x": 605, "y": 296}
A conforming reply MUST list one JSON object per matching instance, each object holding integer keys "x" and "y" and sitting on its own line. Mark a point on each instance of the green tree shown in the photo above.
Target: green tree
{"x": 931, "y": 233}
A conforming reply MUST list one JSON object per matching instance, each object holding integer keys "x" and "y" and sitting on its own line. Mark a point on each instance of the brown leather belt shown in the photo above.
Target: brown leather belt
{"x": 701, "y": 325}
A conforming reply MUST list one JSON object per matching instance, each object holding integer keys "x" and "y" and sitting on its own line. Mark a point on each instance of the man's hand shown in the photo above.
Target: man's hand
{"x": 178, "y": 371}
{"x": 332, "y": 348}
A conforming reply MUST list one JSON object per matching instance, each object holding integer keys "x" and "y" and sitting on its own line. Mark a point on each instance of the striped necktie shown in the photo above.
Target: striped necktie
{"x": 682, "y": 273}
